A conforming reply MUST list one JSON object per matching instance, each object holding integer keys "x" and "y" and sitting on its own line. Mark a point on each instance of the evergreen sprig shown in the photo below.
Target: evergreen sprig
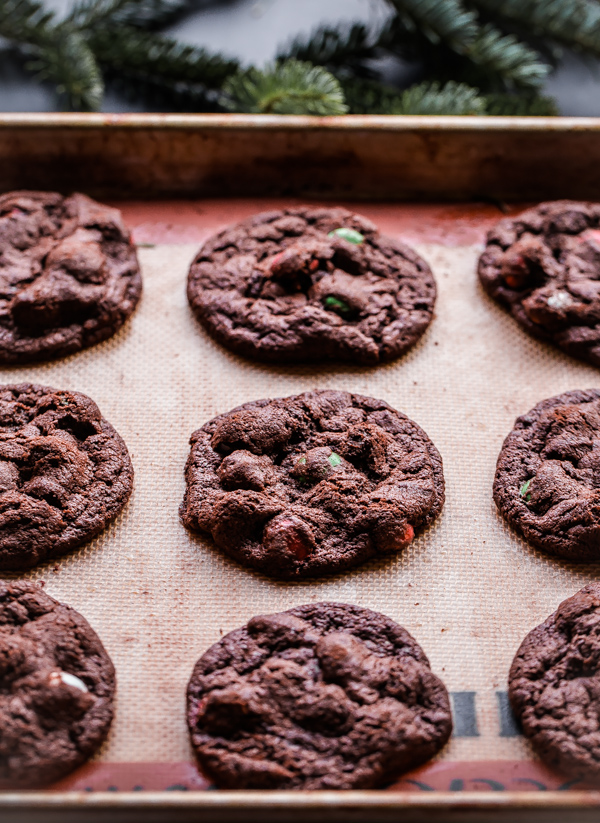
{"x": 56, "y": 53}
{"x": 449, "y": 24}
{"x": 477, "y": 56}
{"x": 433, "y": 98}
{"x": 507, "y": 58}
{"x": 574, "y": 23}
{"x": 142, "y": 14}
{"x": 134, "y": 54}
{"x": 345, "y": 50}
{"x": 293, "y": 87}
{"x": 501, "y": 104}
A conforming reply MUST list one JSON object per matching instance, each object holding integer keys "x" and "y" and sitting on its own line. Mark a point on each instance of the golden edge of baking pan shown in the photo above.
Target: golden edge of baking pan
{"x": 348, "y": 122}
{"x": 366, "y": 157}
{"x": 288, "y": 807}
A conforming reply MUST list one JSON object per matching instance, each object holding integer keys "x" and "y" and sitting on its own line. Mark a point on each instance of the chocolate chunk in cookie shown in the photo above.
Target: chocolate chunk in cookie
{"x": 57, "y": 685}
{"x": 547, "y": 482}
{"x": 312, "y": 484}
{"x": 311, "y": 285}
{"x": 325, "y": 696}
{"x": 65, "y": 473}
{"x": 69, "y": 275}
{"x": 544, "y": 267}
{"x": 554, "y": 686}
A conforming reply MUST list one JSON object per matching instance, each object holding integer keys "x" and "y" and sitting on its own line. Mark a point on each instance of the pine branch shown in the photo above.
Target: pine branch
{"x": 141, "y": 14}
{"x": 575, "y": 23}
{"x": 145, "y": 56}
{"x": 433, "y": 98}
{"x": 342, "y": 51}
{"x": 448, "y": 25}
{"x": 439, "y": 20}
{"x": 26, "y": 21}
{"x": 71, "y": 66}
{"x": 528, "y": 105}
{"x": 367, "y": 97}
{"x": 504, "y": 55}
{"x": 292, "y": 87}
{"x": 57, "y": 53}
{"x": 159, "y": 95}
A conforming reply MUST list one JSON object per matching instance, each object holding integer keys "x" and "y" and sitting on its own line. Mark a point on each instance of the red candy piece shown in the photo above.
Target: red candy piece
{"x": 275, "y": 260}
{"x": 515, "y": 272}
{"x": 408, "y": 535}
{"x": 289, "y": 534}
{"x": 14, "y": 212}
{"x": 591, "y": 234}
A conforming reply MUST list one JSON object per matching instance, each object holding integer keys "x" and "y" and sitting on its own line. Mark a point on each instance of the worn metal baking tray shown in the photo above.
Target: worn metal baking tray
{"x": 468, "y": 589}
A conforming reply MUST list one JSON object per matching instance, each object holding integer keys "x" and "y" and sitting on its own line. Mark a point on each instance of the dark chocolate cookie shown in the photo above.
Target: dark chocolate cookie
{"x": 324, "y": 696}
{"x": 312, "y": 484}
{"x": 69, "y": 275}
{"x": 64, "y": 473}
{"x": 547, "y": 482}
{"x": 56, "y": 687}
{"x": 310, "y": 285}
{"x": 554, "y": 685}
{"x": 544, "y": 267}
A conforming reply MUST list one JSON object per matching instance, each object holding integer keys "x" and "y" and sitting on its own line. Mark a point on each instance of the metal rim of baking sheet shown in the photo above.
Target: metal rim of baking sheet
{"x": 422, "y": 157}
{"x": 369, "y": 157}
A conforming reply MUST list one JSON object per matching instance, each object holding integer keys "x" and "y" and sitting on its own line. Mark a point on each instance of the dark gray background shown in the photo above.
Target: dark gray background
{"x": 252, "y": 30}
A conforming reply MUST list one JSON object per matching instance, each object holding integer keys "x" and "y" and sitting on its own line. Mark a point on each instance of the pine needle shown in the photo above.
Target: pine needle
{"x": 505, "y": 56}
{"x": 56, "y": 53}
{"x": 294, "y": 87}
{"x": 142, "y": 14}
{"x": 147, "y": 55}
{"x": 520, "y": 105}
{"x": 342, "y": 50}
{"x": 433, "y": 98}
{"x": 69, "y": 63}
{"x": 575, "y": 23}
{"x": 448, "y": 23}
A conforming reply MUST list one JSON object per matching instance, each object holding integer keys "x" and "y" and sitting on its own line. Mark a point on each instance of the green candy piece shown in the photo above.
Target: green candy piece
{"x": 351, "y": 235}
{"x": 524, "y": 489}
{"x": 336, "y": 305}
{"x": 334, "y": 460}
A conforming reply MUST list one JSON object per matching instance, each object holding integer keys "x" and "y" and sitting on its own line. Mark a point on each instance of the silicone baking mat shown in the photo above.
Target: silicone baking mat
{"x": 468, "y": 589}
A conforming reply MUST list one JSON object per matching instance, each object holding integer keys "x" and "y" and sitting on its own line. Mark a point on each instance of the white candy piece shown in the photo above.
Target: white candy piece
{"x": 68, "y": 679}
{"x": 560, "y": 300}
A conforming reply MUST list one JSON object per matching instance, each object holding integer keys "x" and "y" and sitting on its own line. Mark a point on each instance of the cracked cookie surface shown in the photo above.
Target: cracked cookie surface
{"x": 56, "y": 687}
{"x": 65, "y": 473}
{"x": 311, "y": 285}
{"x": 69, "y": 275}
{"x": 554, "y": 686}
{"x": 324, "y": 696}
{"x": 547, "y": 483}
{"x": 311, "y": 484}
{"x": 544, "y": 267}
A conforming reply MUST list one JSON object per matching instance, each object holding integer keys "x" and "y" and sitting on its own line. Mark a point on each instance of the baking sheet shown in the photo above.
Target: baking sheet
{"x": 468, "y": 589}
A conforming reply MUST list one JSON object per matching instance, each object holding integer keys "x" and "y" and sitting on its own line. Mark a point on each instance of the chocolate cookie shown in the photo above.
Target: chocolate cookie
{"x": 64, "y": 473}
{"x": 325, "y": 696}
{"x": 311, "y": 484}
{"x": 309, "y": 284}
{"x": 547, "y": 482}
{"x": 544, "y": 267}
{"x": 69, "y": 275}
{"x": 554, "y": 685}
{"x": 56, "y": 687}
